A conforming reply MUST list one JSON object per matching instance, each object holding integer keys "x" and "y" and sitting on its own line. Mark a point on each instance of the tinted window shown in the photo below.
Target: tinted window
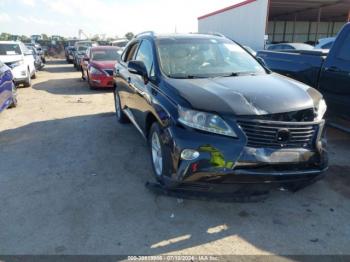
{"x": 10, "y": 49}
{"x": 204, "y": 57}
{"x": 344, "y": 50}
{"x": 145, "y": 55}
{"x": 105, "y": 55}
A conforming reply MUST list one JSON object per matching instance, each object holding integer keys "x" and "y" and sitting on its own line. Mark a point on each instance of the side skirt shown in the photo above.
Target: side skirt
{"x": 132, "y": 120}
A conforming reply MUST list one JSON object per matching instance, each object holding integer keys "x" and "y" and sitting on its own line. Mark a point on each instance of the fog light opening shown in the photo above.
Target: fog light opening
{"x": 189, "y": 154}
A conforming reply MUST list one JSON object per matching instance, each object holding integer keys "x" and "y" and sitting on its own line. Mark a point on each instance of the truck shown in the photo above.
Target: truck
{"x": 327, "y": 71}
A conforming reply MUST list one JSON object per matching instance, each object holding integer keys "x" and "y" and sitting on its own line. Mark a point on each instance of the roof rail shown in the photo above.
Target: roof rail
{"x": 216, "y": 34}
{"x": 151, "y": 33}
{"x": 210, "y": 33}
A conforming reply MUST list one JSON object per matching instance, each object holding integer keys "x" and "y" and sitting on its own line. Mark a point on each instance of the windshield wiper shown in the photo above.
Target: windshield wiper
{"x": 238, "y": 74}
{"x": 185, "y": 76}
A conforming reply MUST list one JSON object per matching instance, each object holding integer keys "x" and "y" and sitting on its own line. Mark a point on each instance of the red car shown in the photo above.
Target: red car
{"x": 98, "y": 66}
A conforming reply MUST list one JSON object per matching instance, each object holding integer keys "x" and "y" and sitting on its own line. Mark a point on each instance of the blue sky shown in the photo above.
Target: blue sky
{"x": 109, "y": 17}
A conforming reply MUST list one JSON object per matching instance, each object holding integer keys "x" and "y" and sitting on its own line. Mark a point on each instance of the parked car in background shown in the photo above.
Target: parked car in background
{"x": 325, "y": 43}
{"x": 69, "y": 53}
{"x": 38, "y": 62}
{"x": 120, "y": 42}
{"x": 289, "y": 46}
{"x": 38, "y": 50}
{"x": 20, "y": 59}
{"x": 214, "y": 117}
{"x": 100, "y": 64}
{"x": 8, "y": 93}
{"x": 327, "y": 72}
{"x": 86, "y": 43}
{"x": 79, "y": 54}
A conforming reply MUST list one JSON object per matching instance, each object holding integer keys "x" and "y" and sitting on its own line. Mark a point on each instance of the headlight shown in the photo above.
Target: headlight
{"x": 17, "y": 63}
{"x": 205, "y": 122}
{"x": 95, "y": 71}
{"x": 321, "y": 110}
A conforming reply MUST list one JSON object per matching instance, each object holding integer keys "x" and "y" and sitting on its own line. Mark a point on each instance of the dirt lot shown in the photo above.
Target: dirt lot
{"x": 72, "y": 182}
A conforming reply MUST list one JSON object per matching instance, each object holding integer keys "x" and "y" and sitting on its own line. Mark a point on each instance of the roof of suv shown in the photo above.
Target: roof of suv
{"x": 177, "y": 35}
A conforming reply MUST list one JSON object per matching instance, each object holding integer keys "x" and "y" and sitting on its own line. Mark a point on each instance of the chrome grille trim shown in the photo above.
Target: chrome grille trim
{"x": 264, "y": 133}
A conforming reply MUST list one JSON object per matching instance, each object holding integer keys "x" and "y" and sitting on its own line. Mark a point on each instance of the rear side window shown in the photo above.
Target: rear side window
{"x": 344, "y": 50}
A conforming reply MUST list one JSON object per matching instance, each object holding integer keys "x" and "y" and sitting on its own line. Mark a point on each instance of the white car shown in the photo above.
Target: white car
{"x": 20, "y": 59}
{"x": 325, "y": 43}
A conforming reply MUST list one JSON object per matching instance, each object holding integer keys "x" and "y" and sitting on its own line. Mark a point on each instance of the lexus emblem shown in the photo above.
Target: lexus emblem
{"x": 283, "y": 135}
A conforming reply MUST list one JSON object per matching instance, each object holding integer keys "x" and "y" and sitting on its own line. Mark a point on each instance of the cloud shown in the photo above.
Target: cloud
{"x": 29, "y": 2}
{"x": 4, "y": 18}
{"x": 38, "y": 21}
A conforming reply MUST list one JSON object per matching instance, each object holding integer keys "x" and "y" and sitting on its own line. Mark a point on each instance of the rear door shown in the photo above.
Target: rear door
{"x": 124, "y": 78}
{"x": 334, "y": 80}
{"x": 141, "y": 97}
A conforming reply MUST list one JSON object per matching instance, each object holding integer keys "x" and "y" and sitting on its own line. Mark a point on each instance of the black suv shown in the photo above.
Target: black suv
{"x": 215, "y": 117}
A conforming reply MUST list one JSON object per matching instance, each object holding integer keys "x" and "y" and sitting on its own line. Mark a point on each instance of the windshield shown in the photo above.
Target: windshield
{"x": 82, "y": 48}
{"x": 10, "y": 49}
{"x": 204, "y": 57}
{"x": 105, "y": 55}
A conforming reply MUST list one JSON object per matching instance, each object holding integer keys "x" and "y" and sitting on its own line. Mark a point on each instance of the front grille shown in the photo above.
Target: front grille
{"x": 268, "y": 134}
{"x": 109, "y": 71}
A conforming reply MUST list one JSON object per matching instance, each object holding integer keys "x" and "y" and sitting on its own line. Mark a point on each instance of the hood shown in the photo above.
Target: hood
{"x": 10, "y": 58}
{"x": 103, "y": 64}
{"x": 247, "y": 95}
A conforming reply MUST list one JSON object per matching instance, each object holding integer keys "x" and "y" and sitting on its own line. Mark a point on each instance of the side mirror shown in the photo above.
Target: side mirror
{"x": 138, "y": 68}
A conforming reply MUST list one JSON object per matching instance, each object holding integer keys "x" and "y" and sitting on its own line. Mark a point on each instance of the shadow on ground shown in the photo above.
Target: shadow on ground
{"x": 68, "y": 86}
{"x": 76, "y": 186}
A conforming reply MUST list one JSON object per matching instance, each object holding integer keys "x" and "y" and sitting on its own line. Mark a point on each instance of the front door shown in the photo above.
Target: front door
{"x": 334, "y": 80}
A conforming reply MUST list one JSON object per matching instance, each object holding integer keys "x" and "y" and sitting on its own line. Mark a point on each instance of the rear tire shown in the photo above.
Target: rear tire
{"x": 14, "y": 95}
{"x": 28, "y": 81}
{"x": 34, "y": 75}
{"x": 121, "y": 117}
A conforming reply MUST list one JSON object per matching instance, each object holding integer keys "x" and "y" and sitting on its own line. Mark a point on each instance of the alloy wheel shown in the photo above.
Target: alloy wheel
{"x": 157, "y": 156}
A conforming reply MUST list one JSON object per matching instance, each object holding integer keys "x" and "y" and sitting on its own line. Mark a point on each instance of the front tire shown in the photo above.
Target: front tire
{"x": 161, "y": 160}
{"x": 121, "y": 117}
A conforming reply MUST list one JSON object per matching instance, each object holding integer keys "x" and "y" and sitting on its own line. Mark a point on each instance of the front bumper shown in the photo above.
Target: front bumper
{"x": 101, "y": 81}
{"x": 229, "y": 162}
{"x": 20, "y": 74}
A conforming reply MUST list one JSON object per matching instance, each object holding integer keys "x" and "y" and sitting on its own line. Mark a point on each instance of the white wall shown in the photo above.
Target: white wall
{"x": 245, "y": 24}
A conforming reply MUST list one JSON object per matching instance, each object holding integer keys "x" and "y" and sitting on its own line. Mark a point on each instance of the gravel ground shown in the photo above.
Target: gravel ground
{"x": 72, "y": 182}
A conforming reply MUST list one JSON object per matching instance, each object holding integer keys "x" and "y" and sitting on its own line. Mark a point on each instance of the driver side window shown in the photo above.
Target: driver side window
{"x": 145, "y": 54}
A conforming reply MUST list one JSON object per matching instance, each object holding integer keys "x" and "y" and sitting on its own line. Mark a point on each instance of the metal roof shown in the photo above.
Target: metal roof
{"x": 307, "y": 10}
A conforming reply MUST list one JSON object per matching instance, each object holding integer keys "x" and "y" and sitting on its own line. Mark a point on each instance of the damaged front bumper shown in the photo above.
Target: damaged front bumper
{"x": 229, "y": 164}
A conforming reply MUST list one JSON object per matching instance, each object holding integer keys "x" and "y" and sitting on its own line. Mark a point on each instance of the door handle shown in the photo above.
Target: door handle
{"x": 333, "y": 69}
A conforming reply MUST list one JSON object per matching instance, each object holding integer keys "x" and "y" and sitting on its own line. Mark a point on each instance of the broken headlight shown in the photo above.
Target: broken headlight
{"x": 321, "y": 110}
{"x": 205, "y": 122}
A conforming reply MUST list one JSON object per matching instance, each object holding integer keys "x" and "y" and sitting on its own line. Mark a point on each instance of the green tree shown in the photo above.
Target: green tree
{"x": 129, "y": 35}
{"x": 44, "y": 37}
{"x": 5, "y": 36}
